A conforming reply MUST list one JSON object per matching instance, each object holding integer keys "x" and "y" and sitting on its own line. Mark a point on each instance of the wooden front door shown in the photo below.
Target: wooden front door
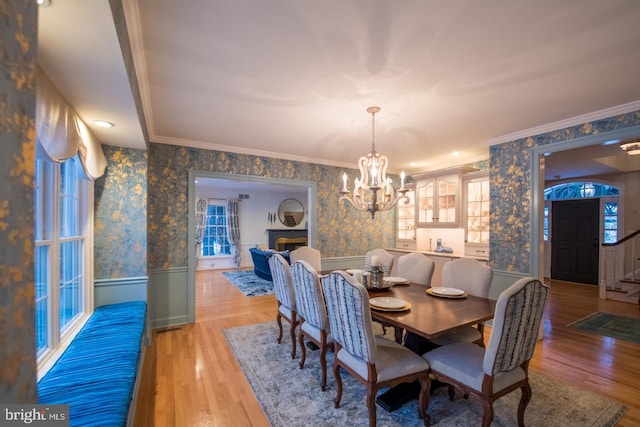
{"x": 575, "y": 242}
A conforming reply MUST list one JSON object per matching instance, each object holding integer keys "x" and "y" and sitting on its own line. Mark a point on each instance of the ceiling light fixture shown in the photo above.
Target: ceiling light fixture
{"x": 632, "y": 148}
{"x": 44, "y": 3}
{"x": 373, "y": 177}
{"x": 103, "y": 124}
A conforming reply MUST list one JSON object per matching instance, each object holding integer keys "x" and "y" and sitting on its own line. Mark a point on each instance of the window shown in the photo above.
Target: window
{"x": 215, "y": 241}
{"x": 62, "y": 253}
{"x": 607, "y": 194}
{"x": 610, "y": 222}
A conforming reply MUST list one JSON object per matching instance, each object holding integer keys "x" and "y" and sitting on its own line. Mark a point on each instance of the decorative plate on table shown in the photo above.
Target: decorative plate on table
{"x": 440, "y": 291}
{"x": 389, "y": 304}
{"x": 396, "y": 280}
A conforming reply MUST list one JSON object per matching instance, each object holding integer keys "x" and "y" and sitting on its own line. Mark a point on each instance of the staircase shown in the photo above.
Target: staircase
{"x": 621, "y": 269}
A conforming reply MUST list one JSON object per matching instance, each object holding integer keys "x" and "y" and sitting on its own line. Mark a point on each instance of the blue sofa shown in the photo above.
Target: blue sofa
{"x": 261, "y": 261}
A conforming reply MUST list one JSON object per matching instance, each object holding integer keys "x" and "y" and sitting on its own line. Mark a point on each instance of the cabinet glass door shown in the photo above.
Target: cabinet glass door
{"x": 406, "y": 218}
{"x": 478, "y": 211}
{"x": 426, "y": 202}
{"x": 447, "y": 188}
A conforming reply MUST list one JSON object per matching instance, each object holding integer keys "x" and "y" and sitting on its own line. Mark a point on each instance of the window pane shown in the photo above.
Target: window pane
{"x": 69, "y": 199}
{"x": 71, "y": 279}
{"x": 42, "y": 297}
{"x": 610, "y": 236}
{"x": 215, "y": 242}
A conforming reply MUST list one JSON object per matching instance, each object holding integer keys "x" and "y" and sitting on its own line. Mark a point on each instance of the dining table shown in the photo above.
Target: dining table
{"x": 430, "y": 315}
{"x": 426, "y": 314}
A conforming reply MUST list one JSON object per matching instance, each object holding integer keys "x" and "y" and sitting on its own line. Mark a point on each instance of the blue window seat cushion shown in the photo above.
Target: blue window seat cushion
{"x": 95, "y": 376}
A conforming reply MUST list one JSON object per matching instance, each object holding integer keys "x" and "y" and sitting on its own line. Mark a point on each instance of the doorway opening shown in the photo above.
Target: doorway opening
{"x": 584, "y": 215}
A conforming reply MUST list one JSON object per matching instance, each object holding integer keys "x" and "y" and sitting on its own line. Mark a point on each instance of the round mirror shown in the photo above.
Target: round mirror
{"x": 290, "y": 212}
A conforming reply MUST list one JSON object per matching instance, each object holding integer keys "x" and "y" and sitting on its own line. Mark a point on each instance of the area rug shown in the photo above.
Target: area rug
{"x": 248, "y": 283}
{"x": 291, "y": 396}
{"x": 610, "y": 325}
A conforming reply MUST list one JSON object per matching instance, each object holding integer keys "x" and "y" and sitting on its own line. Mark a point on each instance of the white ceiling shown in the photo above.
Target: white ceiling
{"x": 293, "y": 79}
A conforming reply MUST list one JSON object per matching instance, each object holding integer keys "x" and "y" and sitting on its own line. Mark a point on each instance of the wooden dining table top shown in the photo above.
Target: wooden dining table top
{"x": 430, "y": 316}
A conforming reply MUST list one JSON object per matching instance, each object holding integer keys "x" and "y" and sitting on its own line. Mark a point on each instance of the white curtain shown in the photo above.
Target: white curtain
{"x": 233, "y": 230}
{"x": 62, "y": 133}
{"x": 201, "y": 221}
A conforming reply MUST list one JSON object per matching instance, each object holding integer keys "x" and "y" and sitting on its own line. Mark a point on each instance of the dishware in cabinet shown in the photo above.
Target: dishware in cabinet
{"x": 405, "y": 222}
{"x": 477, "y": 203}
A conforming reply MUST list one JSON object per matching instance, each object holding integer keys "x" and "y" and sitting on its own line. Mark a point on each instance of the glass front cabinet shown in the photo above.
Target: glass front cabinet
{"x": 438, "y": 200}
{"x": 476, "y": 192}
{"x": 405, "y": 223}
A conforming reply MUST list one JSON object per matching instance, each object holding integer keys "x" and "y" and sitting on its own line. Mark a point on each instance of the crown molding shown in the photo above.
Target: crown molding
{"x": 566, "y": 123}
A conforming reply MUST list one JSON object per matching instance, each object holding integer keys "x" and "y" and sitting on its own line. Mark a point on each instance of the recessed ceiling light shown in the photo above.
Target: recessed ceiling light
{"x": 412, "y": 164}
{"x": 103, "y": 124}
{"x": 455, "y": 153}
{"x": 44, "y": 3}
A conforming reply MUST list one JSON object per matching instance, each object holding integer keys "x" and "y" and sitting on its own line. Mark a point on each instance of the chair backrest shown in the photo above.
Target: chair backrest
{"x": 310, "y": 303}
{"x": 349, "y": 315}
{"x": 386, "y": 259}
{"x": 468, "y": 274}
{"x": 516, "y": 324}
{"x": 416, "y": 268}
{"x": 282, "y": 286}
{"x": 309, "y": 254}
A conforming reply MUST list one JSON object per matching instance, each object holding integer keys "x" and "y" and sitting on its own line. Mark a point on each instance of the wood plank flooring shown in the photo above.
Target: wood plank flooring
{"x": 191, "y": 378}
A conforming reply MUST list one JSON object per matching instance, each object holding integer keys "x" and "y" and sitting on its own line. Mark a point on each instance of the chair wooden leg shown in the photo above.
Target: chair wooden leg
{"x": 303, "y": 350}
{"x": 292, "y": 333}
{"x": 524, "y": 401}
{"x": 279, "y": 320}
{"x": 423, "y": 400}
{"x": 451, "y": 391}
{"x": 487, "y": 405}
{"x": 323, "y": 364}
{"x": 371, "y": 406}
{"x": 336, "y": 374}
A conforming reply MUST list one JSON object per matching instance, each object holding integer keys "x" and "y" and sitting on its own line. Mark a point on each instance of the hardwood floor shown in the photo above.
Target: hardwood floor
{"x": 191, "y": 377}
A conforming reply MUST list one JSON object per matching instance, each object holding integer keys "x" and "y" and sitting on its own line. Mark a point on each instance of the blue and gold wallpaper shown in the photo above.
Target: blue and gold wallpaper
{"x": 510, "y": 175}
{"x": 17, "y": 126}
{"x": 341, "y": 230}
{"x": 120, "y": 233}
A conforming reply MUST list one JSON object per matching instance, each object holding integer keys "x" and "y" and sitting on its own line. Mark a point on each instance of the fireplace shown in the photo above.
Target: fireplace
{"x": 280, "y": 239}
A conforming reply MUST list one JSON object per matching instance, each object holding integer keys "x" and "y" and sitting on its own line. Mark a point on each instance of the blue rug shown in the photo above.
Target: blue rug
{"x": 248, "y": 283}
{"x": 610, "y": 325}
{"x": 291, "y": 397}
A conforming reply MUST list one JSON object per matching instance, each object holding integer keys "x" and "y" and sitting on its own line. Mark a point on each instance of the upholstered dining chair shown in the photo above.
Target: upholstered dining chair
{"x": 503, "y": 366}
{"x": 309, "y": 254}
{"x": 386, "y": 259}
{"x": 373, "y": 360}
{"x": 312, "y": 314}
{"x": 475, "y": 278}
{"x": 283, "y": 289}
{"x": 416, "y": 268}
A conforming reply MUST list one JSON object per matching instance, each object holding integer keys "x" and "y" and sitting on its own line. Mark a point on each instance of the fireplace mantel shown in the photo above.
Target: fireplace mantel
{"x": 274, "y": 234}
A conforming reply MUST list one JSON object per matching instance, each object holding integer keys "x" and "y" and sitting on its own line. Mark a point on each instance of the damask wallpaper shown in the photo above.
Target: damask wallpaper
{"x": 17, "y": 163}
{"x": 120, "y": 233}
{"x": 341, "y": 230}
{"x": 510, "y": 175}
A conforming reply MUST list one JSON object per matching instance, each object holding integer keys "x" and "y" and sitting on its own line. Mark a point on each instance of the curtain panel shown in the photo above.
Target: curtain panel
{"x": 233, "y": 230}
{"x": 61, "y": 132}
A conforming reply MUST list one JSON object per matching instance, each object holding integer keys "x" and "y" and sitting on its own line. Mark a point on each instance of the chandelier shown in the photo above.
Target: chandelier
{"x": 373, "y": 179}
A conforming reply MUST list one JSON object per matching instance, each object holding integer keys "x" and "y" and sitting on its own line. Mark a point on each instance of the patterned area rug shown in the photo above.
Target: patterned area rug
{"x": 610, "y": 325}
{"x": 248, "y": 283}
{"x": 291, "y": 396}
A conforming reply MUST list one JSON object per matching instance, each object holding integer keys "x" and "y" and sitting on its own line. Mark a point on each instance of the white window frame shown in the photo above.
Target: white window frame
{"x": 49, "y": 197}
